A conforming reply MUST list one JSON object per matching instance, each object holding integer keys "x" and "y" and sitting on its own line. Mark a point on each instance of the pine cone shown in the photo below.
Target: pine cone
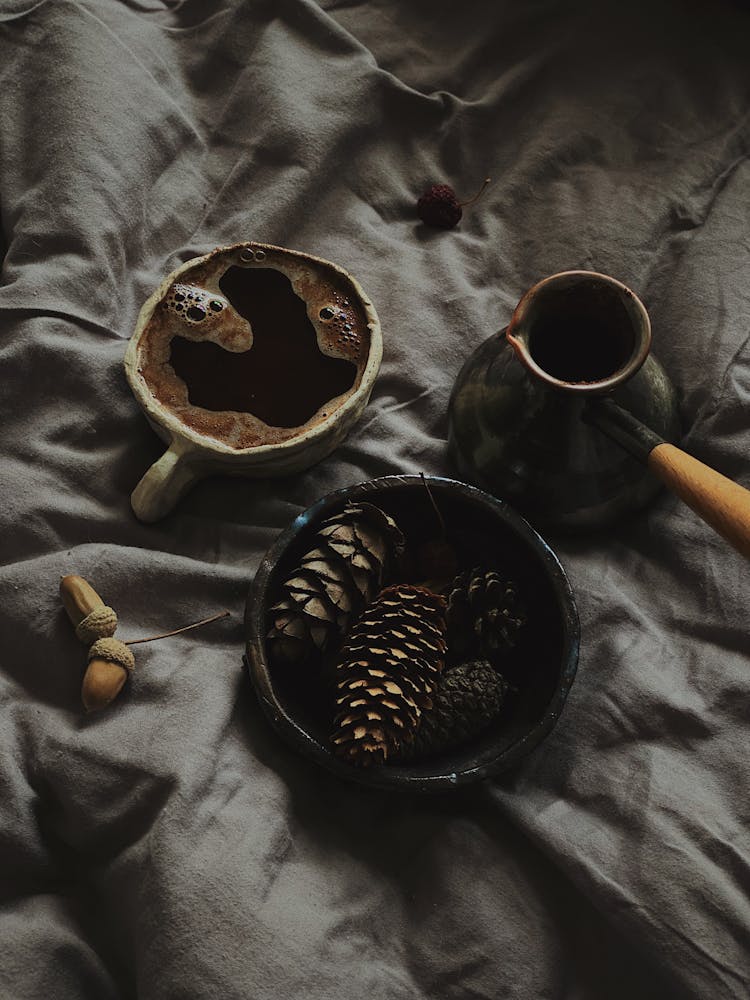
{"x": 387, "y": 673}
{"x": 467, "y": 700}
{"x": 484, "y": 614}
{"x": 355, "y": 551}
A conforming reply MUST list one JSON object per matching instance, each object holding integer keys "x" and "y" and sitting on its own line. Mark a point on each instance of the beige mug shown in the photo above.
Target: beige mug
{"x": 252, "y": 360}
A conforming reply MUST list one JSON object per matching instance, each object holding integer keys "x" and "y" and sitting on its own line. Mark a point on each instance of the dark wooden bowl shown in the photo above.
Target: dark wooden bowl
{"x": 541, "y": 669}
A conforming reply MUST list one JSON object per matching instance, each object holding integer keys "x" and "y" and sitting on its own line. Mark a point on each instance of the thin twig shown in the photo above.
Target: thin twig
{"x": 441, "y": 522}
{"x": 185, "y": 628}
{"x": 478, "y": 195}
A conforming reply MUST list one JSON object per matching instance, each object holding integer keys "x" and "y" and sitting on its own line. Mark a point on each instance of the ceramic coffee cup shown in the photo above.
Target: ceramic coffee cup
{"x": 252, "y": 360}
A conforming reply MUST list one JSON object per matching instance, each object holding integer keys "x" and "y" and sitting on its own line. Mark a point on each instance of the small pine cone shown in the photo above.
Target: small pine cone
{"x": 484, "y": 614}
{"x": 354, "y": 553}
{"x": 387, "y": 674}
{"x": 467, "y": 700}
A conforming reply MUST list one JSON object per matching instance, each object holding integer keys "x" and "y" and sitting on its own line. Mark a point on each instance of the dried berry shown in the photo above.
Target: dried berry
{"x": 440, "y": 207}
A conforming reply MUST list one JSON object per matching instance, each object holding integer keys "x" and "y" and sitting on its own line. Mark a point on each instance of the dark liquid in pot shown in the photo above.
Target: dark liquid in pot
{"x": 583, "y": 334}
{"x": 578, "y": 350}
{"x": 284, "y": 379}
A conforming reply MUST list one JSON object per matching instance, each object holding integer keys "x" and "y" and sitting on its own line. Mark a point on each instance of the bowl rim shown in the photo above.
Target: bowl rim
{"x": 388, "y": 776}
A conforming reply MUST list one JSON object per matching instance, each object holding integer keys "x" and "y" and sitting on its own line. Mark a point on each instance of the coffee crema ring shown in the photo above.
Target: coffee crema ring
{"x": 255, "y": 359}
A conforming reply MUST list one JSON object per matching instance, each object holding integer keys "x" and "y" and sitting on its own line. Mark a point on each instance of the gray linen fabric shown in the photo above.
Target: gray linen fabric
{"x": 173, "y": 847}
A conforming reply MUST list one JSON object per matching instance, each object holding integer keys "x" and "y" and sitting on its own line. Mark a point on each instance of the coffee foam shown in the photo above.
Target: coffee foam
{"x": 192, "y": 304}
{"x": 195, "y": 309}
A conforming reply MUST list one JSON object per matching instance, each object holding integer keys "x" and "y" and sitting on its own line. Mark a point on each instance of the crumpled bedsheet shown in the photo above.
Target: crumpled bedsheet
{"x": 173, "y": 846}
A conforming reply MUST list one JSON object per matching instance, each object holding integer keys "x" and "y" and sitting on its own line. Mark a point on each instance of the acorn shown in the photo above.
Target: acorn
{"x": 110, "y": 661}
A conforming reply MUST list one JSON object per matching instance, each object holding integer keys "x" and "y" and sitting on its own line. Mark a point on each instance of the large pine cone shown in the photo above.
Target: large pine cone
{"x": 484, "y": 615}
{"x": 467, "y": 700}
{"x": 387, "y": 674}
{"x": 354, "y": 554}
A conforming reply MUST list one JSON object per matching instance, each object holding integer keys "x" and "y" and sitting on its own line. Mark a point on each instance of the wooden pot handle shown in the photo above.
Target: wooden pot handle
{"x": 723, "y": 504}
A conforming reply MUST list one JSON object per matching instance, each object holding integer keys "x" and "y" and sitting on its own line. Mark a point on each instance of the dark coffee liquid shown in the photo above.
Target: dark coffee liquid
{"x": 577, "y": 341}
{"x": 284, "y": 378}
{"x": 577, "y": 350}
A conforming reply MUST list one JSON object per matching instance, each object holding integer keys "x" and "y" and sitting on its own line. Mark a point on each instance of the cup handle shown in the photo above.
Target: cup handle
{"x": 163, "y": 485}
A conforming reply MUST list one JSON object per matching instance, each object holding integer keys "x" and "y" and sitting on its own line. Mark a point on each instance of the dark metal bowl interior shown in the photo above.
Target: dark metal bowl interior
{"x": 484, "y": 530}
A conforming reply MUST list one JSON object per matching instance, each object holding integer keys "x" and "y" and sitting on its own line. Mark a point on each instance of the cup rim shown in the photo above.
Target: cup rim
{"x": 641, "y": 350}
{"x": 180, "y": 433}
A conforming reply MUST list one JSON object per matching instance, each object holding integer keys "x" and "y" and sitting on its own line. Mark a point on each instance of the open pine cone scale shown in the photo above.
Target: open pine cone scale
{"x": 387, "y": 673}
{"x": 334, "y": 580}
{"x": 484, "y": 614}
